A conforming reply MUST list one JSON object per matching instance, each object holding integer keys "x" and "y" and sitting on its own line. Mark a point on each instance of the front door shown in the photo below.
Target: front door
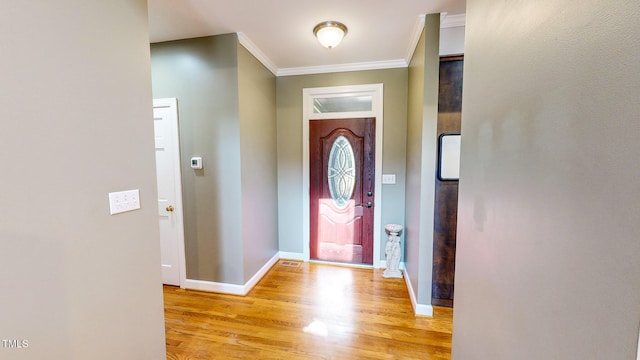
{"x": 342, "y": 180}
{"x": 165, "y": 116}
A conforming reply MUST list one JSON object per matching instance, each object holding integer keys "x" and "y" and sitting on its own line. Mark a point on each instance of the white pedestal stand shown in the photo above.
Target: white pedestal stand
{"x": 392, "y": 251}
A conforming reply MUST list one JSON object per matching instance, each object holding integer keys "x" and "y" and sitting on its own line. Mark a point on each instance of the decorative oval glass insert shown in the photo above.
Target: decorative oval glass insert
{"x": 342, "y": 171}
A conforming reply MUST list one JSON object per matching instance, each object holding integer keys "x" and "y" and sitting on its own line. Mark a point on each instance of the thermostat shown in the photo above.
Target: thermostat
{"x": 196, "y": 162}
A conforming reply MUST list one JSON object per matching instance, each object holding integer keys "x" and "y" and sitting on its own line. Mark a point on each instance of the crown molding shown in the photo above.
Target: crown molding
{"x": 415, "y": 37}
{"x": 449, "y": 21}
{"x": 255, "y": 51}
{"x": 446, "y": 21}
{"x": 370, "y": 65}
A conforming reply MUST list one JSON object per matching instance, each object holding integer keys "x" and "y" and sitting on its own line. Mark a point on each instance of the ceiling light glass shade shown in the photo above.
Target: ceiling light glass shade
{"x": 330, "y": 33}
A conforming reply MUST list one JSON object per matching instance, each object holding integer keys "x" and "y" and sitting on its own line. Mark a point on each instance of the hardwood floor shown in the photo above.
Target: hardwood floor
{"x": 306, "y": 311}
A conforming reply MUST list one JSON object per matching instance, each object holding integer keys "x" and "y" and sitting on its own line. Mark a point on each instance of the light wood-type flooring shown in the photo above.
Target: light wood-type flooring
{"x": 306, "y": 311}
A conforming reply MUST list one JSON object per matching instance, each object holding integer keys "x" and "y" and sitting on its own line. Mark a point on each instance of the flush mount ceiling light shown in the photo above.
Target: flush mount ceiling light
{"x": 330, "y": 33}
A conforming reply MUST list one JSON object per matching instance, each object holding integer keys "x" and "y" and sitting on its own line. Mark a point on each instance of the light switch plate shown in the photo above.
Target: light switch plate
{"x": 122, "y": 201}
{"x": 388, "y": 178}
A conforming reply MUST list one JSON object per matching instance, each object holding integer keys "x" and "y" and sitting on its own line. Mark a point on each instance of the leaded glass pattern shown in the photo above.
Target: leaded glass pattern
{"x": 342, "y": 171}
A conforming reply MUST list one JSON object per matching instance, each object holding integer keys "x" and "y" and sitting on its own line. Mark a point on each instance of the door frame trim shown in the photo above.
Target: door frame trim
{"x": 173, "y": 103}
{"x": 308, "y": 94}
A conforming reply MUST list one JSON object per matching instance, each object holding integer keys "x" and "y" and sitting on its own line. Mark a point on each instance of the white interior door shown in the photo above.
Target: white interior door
{"x": 165, "y": 116}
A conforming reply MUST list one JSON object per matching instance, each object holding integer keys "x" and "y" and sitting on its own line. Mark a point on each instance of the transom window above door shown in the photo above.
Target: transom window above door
{"x": 342, "y": 104}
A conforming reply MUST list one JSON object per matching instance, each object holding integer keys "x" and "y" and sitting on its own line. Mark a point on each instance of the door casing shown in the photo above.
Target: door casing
{"x": 308, "y": 95}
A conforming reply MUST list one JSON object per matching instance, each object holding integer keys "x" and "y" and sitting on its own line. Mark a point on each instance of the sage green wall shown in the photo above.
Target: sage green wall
{"x": 257, "y": 100}
{"x": 227, "y": 114}
{"x": 289, "y": 127}
{"x": 202, "y": 74}
{"x": 421, "y": 159}
{"x": 77, "y": 283}
{"x": 414, "y": 159}
{"x": 548, "y": 255}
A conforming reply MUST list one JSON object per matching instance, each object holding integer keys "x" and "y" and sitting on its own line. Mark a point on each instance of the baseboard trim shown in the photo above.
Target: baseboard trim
{"x": 217, "y": 287}
{"x": 261, "y": 273}
{"x": 418, "y": 309}
{"x": 232, "y": 289}
{"x": 291, "y": 256}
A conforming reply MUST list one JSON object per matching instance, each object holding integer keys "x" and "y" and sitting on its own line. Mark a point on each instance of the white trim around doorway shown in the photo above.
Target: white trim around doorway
{"x": 308, "y": 94}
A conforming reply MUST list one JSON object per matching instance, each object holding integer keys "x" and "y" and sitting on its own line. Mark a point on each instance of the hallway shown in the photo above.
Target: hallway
{"x": 306, "y": 311}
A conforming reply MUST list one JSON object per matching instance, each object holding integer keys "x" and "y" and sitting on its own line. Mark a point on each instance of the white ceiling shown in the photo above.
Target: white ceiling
{"x": 280, "y": 32}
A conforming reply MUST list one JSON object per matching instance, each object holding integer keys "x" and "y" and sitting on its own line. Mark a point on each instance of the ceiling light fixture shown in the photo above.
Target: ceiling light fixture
{"x": 330, "y": 33}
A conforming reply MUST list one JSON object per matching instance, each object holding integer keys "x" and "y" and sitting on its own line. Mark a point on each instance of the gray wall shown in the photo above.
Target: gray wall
{"x": 548, "y": 262}
{"x": 77, "y": 124}
{"x": 421, "y": 159}
{"x": 227, "y": 115}
{"x": 289, "y": 114}
{"x": 202, "y": 74}
{"x": 257, "y": 96}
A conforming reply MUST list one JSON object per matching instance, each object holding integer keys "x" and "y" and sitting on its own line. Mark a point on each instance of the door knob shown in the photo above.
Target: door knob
{"x": 170, "y": 208}
{"x": 369, "y": 194}
{"x": 369, "y": 204}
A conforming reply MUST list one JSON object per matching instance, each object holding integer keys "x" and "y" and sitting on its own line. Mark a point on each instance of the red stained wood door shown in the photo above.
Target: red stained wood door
{"x": 342, "y": 199}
